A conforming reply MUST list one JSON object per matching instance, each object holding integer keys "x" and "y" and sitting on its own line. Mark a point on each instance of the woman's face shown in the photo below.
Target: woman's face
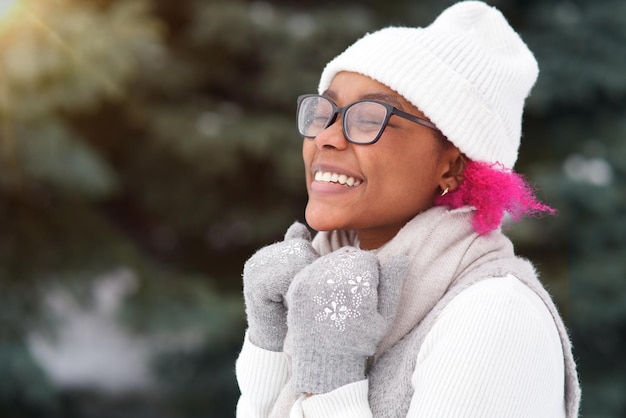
{"x": 392, "y": 180}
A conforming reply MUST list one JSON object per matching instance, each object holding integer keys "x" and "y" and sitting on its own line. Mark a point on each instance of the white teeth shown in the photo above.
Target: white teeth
{"x": 328, "y": 177}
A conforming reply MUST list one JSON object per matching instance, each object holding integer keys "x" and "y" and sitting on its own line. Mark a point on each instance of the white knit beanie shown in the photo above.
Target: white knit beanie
{"x": 469, "y": 72}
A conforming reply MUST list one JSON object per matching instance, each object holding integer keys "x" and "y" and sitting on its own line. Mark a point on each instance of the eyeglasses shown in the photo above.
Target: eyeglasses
{"x": 363, "y": 122}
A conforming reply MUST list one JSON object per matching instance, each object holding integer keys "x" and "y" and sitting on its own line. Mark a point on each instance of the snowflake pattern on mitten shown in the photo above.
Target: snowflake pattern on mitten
{"x": 344, "y": 289}
{"x": 280, "y": 254}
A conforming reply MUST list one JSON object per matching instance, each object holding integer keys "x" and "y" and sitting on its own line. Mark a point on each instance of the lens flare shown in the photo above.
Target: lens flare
{"x": 7, "y": 7}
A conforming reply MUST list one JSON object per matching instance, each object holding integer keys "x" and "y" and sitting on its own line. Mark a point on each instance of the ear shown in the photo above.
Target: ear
{"x": 452, "y": 169}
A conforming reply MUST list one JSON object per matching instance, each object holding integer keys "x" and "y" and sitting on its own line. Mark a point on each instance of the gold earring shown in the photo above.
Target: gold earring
{"x": 445, "y": 192}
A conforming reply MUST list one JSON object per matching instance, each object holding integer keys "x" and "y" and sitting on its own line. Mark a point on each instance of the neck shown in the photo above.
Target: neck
{"x": 372, "y": 239}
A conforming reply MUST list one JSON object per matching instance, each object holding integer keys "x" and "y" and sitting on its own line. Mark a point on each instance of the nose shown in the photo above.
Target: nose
{"x": 332, "y": 136}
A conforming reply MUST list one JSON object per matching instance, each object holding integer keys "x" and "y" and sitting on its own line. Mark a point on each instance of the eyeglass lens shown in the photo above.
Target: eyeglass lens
{"x": 362, "y": 121}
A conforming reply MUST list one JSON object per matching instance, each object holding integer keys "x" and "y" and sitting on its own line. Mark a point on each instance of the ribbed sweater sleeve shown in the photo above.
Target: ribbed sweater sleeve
{"x": 493, "y": 352}
{"x": 261, "y": 375}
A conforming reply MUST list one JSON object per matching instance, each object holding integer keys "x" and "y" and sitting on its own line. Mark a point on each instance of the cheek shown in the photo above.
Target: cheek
{"x": 408, "y": 179}
{"x": 308, "y": 151}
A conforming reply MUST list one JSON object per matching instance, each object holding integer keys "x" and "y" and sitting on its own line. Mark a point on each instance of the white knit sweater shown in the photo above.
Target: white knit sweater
{"x": 465, "y": 367}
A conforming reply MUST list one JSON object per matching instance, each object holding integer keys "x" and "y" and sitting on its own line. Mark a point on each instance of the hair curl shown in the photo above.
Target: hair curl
{"x": 493, "y": 189}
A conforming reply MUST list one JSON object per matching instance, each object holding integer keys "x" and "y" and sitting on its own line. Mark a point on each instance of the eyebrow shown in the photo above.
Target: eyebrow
{"x": 387, "y": 98}
{"x": 382, "y": 97}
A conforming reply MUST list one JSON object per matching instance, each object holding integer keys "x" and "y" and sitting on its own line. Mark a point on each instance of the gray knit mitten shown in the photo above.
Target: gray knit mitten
{"x": 266, "y": 278}
{"x": 340, "y": 308}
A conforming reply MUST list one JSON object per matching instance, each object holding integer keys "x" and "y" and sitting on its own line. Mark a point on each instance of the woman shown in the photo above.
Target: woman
{"x": 409, "y": 302}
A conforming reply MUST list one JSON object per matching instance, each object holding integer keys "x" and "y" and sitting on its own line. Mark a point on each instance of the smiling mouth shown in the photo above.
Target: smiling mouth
{"x": 329, "y": 177}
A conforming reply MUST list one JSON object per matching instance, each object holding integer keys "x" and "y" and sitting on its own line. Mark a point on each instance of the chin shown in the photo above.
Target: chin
{"x": 319, "y": 224}
{"x": 321, "y": 220}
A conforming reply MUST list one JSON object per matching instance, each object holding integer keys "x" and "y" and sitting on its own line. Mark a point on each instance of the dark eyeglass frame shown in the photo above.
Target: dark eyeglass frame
{"x": 391, "y": 110}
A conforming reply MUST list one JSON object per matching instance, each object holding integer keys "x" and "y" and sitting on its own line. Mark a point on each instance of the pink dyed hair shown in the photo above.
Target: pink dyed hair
{"x": 492, "y": 190}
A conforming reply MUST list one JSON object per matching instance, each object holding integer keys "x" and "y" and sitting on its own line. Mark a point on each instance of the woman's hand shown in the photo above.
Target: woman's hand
{"x": 340, "y": 307}
{"x": 266, "y": 278}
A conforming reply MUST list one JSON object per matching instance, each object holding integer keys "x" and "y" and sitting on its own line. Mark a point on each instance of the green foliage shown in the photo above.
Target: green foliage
{"x": 580, "y": 47}
{"x": 55, "y": 157}
{"x": 25, "y": 390}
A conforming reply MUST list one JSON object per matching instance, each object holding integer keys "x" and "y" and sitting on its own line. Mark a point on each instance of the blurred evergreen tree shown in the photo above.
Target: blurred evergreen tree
{"x": 578, "y": 109}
